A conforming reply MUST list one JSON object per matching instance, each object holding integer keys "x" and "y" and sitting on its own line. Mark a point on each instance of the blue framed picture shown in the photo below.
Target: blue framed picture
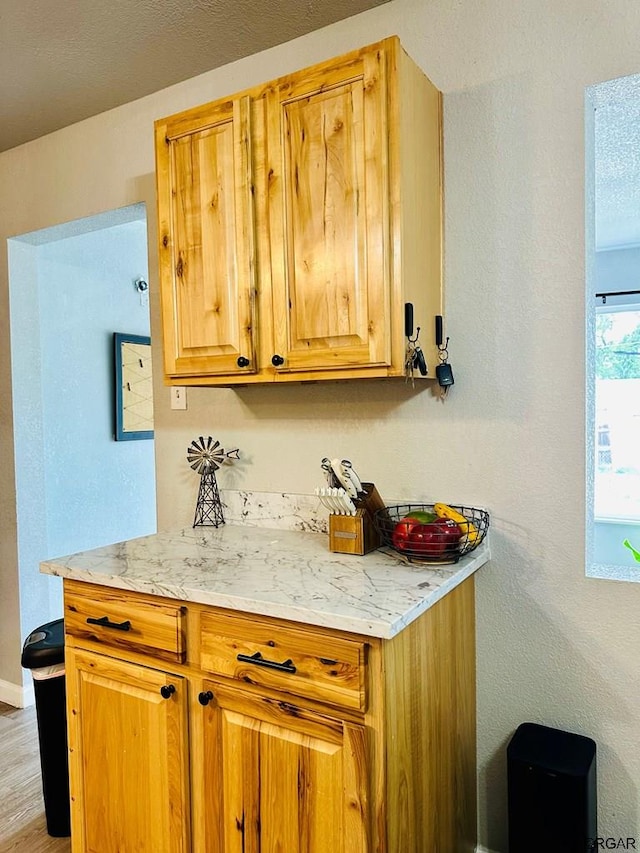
{"x": 134, "y": 387}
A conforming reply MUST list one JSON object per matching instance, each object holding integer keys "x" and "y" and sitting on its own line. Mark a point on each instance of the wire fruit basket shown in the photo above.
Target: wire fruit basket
{"x": 420, "y": 540}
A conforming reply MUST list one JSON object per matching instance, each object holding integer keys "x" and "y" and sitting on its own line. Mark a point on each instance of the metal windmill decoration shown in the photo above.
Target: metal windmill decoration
{"x": 205, "y": 457}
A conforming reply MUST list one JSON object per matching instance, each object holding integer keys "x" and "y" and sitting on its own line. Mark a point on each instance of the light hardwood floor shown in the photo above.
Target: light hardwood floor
{"x": 22, "y": 822}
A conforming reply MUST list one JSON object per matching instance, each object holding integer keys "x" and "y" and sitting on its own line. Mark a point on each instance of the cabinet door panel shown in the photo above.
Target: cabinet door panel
{"x": 128, "y": 748}
{"x": 207, "y": 243}
{"x": 326, "y": 238}
{"x": 283, "y": 779}
{"x": 329, "y": 219}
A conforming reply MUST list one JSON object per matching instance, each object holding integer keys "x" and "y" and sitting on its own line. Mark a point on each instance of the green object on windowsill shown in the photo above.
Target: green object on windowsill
{"x": 636, "y": 554}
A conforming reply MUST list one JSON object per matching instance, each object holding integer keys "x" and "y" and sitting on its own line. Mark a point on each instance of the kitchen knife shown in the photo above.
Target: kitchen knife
{"x": 347, "y": 485}
{"x": 347, "y": 503}
{"x": 326, "y": 466}
{"x": 349, "y": 471}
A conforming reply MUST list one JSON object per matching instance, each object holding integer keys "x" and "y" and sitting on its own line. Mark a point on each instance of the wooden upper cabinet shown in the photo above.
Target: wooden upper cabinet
{"x": 207, "y": 264}
{"x": 297, "y": 219}
{"x": 329, "y": 236}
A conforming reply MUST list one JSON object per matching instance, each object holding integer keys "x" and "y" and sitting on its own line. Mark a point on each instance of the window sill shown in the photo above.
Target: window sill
{"x": 614, "y": 572}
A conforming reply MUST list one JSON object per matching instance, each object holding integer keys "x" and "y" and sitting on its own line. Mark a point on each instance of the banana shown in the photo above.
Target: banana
{"x": 468, "y": 528}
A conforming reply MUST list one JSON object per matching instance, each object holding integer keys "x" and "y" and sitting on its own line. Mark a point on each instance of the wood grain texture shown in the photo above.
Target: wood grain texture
{"x": 357, "y": 534}
{"x": 387, "y": 744}
{"x": 128, "y": 754}
{"x": 207, "y": 252}
{"x": 22, "y": 818}
{"x": 155, "y": 627}
{"x": 429, "y": 720}
{"x": 416, "y": 199}
{"x": 328, "y": 233}
{"x": 291, "y": 780}
{"x": 327, "y": 669}
{"x": 345, "y": 174}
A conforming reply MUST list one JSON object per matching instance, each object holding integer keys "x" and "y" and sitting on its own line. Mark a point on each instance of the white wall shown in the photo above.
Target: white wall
{"x": 38, "y": 595}
{"x": 77, "y": 488}
{"x": 98, "y": 490}
{"x": 553, "y": 645}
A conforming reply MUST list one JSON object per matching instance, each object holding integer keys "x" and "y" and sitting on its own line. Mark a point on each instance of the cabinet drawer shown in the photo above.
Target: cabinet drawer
{"x": 123, "y": 621}
{"x": 295, "y": 660}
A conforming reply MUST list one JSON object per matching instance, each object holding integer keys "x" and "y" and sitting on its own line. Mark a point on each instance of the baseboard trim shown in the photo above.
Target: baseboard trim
{"x": 15, "y": 695}
{"x": 481, "y": 849}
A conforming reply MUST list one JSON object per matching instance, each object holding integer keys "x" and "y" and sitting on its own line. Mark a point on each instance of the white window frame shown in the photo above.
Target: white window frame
{"x": 599, "y": 562}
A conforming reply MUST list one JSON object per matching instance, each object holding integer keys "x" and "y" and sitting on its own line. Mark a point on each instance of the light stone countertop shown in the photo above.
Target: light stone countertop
{"x": 287, "y": 574}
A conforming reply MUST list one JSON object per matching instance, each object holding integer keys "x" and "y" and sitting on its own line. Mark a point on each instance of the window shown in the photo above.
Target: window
{"x": 612, "y": 228}
{"x": 617, "y": 412}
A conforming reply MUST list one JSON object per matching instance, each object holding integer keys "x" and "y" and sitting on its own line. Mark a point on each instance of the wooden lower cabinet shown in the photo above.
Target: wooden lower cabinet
{"x": 244, "y": 744}
{"x": 128, "y": 756}
{"x": 282, "y": 778}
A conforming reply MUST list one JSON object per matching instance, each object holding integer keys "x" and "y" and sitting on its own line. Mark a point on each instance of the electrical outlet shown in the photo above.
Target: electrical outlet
{"x": 178, "y": 397}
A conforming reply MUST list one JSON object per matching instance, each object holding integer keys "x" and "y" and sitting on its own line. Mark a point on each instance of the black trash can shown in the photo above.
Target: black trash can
{"x": 43, "y": 653}
{"x": 552, "y": 792}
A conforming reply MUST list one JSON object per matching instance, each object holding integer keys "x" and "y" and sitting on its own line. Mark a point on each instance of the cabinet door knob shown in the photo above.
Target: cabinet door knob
{"x": 243, "y": 362}
{"x": 205, "y": 697}
{"x": 277, "y": 360}
{"x": 167, "y": 690}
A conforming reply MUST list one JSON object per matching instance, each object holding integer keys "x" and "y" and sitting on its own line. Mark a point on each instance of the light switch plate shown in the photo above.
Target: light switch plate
{"x": 178, "y": 397}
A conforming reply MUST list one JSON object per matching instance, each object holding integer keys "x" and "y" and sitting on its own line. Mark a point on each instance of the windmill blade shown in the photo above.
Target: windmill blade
{"x": 206, "y": 455}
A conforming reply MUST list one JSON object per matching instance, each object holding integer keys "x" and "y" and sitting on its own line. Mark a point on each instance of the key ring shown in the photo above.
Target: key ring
{"x": 443, "y": 352}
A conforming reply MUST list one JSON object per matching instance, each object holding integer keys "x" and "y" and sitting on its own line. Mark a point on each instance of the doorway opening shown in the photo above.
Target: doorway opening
{"x": 71, "y": 287}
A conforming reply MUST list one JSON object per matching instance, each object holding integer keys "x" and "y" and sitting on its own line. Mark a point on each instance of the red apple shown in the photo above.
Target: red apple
{"x": 402, "y": 532}
{"x": 436, "y": 539}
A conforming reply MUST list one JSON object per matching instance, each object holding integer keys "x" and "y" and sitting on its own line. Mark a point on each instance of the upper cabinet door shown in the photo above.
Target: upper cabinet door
{"x": 206, "y": 233}
{"x": 297, "y": 219}
{"x": 328, "y": 215}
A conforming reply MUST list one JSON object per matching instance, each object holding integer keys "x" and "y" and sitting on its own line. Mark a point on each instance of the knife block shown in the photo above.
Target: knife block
{"x": 357, "y": 534}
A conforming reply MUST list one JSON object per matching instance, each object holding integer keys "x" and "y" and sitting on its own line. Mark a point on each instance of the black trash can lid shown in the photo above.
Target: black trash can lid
{"x": 44, "y": 646}
{"x": 561, "y": 751}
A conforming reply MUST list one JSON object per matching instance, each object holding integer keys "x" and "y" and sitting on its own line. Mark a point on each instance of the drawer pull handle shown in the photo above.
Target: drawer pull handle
{"x": 167, "y": 690}
{"x": 205, "y": 697}
{"x": 258, "y": 660}
{"x": 104, "y": 622}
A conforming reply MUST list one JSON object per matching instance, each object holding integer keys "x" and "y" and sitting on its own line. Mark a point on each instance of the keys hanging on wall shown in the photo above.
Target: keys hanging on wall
{"x": 444, "y": 373}
{"x": 414, "y": 357}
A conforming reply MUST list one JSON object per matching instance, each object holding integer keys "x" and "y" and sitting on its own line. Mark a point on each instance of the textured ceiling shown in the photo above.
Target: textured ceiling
{"x": 61, "y": 62}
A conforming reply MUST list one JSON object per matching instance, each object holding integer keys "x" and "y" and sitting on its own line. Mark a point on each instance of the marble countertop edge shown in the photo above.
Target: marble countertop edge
{"x": 358, "y": 595}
